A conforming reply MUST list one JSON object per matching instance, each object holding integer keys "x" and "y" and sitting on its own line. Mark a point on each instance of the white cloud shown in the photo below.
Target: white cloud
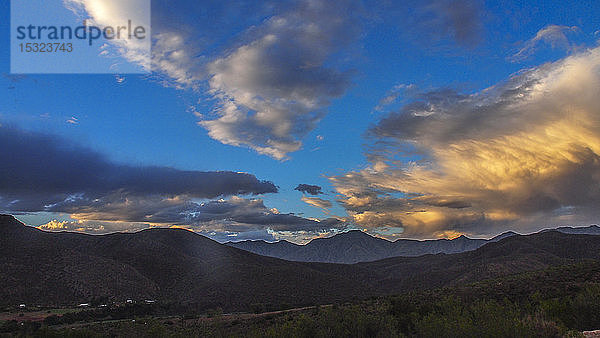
{"x": 273, "y": 90}
{"x": 177, "y": 59}
{"x": 555, "y": 36}
{"x": 115, "y": 13}
{"x": 392, "y": 95}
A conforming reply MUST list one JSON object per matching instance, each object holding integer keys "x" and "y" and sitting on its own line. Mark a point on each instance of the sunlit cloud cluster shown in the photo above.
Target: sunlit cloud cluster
{"x": 524, "y": 153}
{"x": 320, "y": 203}
{"x": 521, "y": 154}
{"x": 93, "y": 227}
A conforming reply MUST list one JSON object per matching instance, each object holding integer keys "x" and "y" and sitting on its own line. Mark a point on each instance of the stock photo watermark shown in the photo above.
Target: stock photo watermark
{"x": 80, "y": 36}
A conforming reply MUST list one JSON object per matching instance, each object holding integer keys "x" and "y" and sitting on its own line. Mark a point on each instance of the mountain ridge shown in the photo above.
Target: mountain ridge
{"x": 356, "y": 246}
{"x": 169, "y": 265}
{"x": 176, "y": 266}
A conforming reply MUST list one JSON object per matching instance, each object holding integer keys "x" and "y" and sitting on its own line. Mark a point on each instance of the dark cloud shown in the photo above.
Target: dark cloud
{"x": 457, "y": 18}
{"x": 38, "y": 171}
{"x": 430, "y": 21}
{"x": 235, "y": 215}
{"x": 252, "y": 213}
{"x": 188, "y": 34}
{"x": 44, "y": 173}
{"x": 309, "y": 189}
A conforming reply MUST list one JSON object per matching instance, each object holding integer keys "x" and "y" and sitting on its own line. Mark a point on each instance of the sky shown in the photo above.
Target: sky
{"x": 301, "y": 119}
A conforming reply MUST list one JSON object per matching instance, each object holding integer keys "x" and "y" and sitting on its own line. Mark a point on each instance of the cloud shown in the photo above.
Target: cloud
{"x": 115, "y": 13}
{"x": 271, "y": 80}
{"x": 176, "y": 60}
{"x": 523, "y": 154}
{"x": 92, "y": 227}
{"x": 392, "y": 95}
{"x": 252, "y": 214}
{"x": 184, "y": 34}
{"x": 433, "y": 21}
{"x": 317, "y": 202}
{"x": 309, "y": 189}
{"x": 39, "y": 171}
{"x": 555, "y": 36}
{"x": 458, "y": 19}
{"x": 45, "y": 173}
{"x": 73, "y": 120}
{"x": 273, "y": 90}
{"x": 234, "y": 216}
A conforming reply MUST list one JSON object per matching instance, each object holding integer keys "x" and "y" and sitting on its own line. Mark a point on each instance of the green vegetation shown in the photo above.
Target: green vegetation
{"x": 556, "y": 302}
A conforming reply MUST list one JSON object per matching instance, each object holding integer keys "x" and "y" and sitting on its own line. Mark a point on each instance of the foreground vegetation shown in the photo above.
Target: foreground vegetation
{"x": 558, "y": 302}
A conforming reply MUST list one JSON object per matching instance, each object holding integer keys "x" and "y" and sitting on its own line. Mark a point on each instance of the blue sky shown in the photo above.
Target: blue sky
{"x": 418, "y": 48}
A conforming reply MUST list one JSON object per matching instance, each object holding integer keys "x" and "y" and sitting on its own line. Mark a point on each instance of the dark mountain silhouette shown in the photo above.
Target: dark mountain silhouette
{"x": 170, "y": 265}
{"x": 179, "y": 266}
{"x": 512, "y": 255}
{"x": 356, "y": 246}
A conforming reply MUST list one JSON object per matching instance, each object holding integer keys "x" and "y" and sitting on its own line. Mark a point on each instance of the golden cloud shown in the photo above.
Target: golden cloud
{"x": 522, "y": 150}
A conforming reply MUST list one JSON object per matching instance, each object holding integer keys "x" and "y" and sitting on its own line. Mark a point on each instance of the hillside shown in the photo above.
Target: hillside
{"x": 555, "y": 302}
{"x": 512, "y": 255}
{"x": 179, "y": 266}
{"x": 169, "y": 265}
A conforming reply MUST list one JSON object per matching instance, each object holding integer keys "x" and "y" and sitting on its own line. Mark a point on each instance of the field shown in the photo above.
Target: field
{"x": 556, "y": 302}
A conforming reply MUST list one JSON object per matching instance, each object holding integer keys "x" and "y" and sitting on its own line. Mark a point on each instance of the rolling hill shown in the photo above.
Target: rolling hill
{"x": 179, "y": 266}
{"x": 169, "y": 265}
{"x": 512, "y": 255}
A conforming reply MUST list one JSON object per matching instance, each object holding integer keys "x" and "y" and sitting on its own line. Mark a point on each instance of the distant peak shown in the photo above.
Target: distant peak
{"x": 592, "y": 226}
{"x": 353, "y": 233}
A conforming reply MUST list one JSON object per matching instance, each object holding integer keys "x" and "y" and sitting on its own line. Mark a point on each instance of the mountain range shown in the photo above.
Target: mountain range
{"x": 357, "y": 246}
{"x": 170, "y": 265}
{"x": 179, "y": 266}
